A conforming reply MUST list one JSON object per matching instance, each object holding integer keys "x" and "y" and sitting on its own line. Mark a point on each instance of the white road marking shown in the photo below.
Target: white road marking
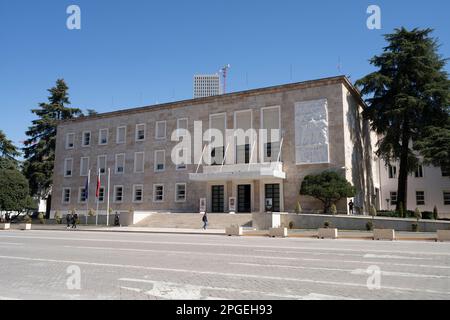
{"x": 256, "y": 257}
{"x": 11, "y": 244}
{"x": 8, "y": 298}
{"x": 223, "y": 244}
{"x": 223, "y": 274}
{"x": 352, "y": 271}
{"x": 169, "y": 286}
{"x": 312, "y": 253}
{"x": 386, "y": 256}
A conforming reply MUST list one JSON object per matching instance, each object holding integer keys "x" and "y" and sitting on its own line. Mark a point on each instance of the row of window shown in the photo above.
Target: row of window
{"x": 121, "y": 134}
{"x": 119, "y": 166}
{"x": 418, "y": 173}
{"x": 420, "y": 198}
{"x": 137, "y": 194}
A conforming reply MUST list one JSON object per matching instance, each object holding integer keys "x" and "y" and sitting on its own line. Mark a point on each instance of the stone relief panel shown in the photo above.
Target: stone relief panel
{"x": 311, "y": 132}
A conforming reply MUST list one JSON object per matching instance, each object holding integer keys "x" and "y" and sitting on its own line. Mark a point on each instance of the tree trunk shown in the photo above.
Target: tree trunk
{"x": 402, "y": 190}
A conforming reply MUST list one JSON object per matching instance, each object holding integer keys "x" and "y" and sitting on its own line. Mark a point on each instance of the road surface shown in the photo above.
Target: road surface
{"x": 101, "y": 265}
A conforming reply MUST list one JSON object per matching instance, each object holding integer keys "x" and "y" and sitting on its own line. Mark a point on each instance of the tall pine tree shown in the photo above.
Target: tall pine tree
{"x": 408, "y": 93}
{"x": 40, "y": 147}
{"x": 8, "y": 153}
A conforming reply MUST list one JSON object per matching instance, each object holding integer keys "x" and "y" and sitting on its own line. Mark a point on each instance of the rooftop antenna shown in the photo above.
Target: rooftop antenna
{"x": 224, "y": 72}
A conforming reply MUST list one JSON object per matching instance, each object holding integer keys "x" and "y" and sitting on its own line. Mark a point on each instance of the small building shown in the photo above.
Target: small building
{"x": 167, "y": 158}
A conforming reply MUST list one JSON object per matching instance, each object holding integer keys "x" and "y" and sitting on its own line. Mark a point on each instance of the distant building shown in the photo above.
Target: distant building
{"x": 206, "y": 86}
{"x": 428, "y": 187}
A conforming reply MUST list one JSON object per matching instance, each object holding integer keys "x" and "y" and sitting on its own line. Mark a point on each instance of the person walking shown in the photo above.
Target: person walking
{"x": 69, "y": 219}
{"x": 74, "y": 221}
{"x": 205, "y": 221}
{"x": 350, "y": 206}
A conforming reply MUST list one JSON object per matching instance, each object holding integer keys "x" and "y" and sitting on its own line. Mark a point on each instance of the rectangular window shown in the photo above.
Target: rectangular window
{"x": 68, "y": 167}
{"x": 181, "y": 160}
{"x": 447, "y": 198}
{"x": 103, "y": 137}
{"x": 101, "y": 164}
{"x": 101, "y": 194}
{"x": 420, "y": 198}
{"x": 160, "y": 160}
{"x": 419, "y": 171}
{"x": 218, "y": 122}
{"x": 84, "y": 166}
{"x": 139, "y": 162}
{"x": 182, "y": 127}
{"x": 140, "y": 132}
{"x": 121, "y": 134}
{"x": 82, "y": 195}
{"x": 392, "y": 172}
{"x": 138, "y": 193}
{"x": 66, "y": 196}
{"x": 70, "y": 140}
{"x": 445, "y": 171}
{"x": 243, "y": 123}
{"x": 160, "y": 130}
{"x": 393, "y": 198}
{"x": 120, "y": 163}
{"x": 180, "y": 192}
{"x": 158, "y": 193}
{"x": 118, "y": 194}
{"x": 270, "y": 121}
{"x": 86, "y": 139}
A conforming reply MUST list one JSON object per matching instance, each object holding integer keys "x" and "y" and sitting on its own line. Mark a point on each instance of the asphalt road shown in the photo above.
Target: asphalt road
{"x": 93, "y": 265}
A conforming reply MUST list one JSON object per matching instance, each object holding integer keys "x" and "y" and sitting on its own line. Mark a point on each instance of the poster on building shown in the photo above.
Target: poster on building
{"x": 202, "y": 205}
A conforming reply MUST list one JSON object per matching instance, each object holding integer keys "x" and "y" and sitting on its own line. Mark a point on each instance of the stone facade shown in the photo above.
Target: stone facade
{"x": 349, "y": 151}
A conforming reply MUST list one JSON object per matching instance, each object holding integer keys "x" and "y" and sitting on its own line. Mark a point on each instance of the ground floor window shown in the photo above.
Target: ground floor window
{"x": 446, "y": 198}
{"x": 158, "y": 193}
{"x": 420, "y": 198}
{"x": 180, "y": 192}
{"x": 393, "y": 198}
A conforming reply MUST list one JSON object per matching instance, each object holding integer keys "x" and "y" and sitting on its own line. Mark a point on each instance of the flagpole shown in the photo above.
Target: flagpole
{"x": 87, "y": 195}
{"x": 107, "y": 206}
{"x": 97, "y": 197}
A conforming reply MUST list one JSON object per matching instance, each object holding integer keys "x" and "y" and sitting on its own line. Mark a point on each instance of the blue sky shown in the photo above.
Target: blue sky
{"x": 133, "y": 53}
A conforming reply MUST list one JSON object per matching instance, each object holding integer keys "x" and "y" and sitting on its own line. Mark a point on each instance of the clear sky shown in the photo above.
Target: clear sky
{"x": 136, "y": 52}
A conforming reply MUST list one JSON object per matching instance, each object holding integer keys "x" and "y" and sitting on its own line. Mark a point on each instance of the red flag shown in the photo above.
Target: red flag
{"x": 97, "y": 192}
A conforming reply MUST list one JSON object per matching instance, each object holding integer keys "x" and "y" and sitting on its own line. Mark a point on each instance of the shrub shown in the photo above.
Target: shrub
{"x": 373, "y": 211}
{"x": 291, "y": 225}
{"x": 27, "y": 219}
{"x": 415, "y": 227}
{"x": 333, "y": 209}
{"x": 435, "y": 213}
{"x": 326, "y": 224}
{"x": 418, "y": 214}
{"x": 41, "y": 218}
{"x": 298, "y": 208}
{"x": 428, "y": 215}
{"x": 58, "y": 219}
{"x": 369, "y": 226}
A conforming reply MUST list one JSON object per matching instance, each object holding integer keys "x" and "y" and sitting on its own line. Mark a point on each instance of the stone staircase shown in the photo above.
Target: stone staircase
{"x": 194, "y": 220}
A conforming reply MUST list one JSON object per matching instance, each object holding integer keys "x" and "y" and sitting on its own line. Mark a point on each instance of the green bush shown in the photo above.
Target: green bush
{"x": 41, "y": 218}
{"x": 369, "y": 226}
{"x": 435, "y": 213}
{"x": 333, "y": 209}
{"x": 326, "y": 224}
{"x": 428, "y": 215}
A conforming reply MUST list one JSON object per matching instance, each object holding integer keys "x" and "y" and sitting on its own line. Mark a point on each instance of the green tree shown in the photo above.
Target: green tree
{"x": 434, "y": 145}
{"x": 408, "y": 92}
{"x": 40, "y": 147}
{"x": 328, "y": 187}
{"x": 14, "y": 192}
{"x": 8, "y": 153}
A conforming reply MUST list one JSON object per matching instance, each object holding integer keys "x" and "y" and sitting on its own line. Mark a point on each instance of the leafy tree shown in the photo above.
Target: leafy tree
{"x": 434, "y": 145}
{"x": 7, "y": 149}
{"x": 40, "y": 147}
{"x": 14, "y": 192}
{"x": 408, "y": 93}
{"x": 328, "y": 187}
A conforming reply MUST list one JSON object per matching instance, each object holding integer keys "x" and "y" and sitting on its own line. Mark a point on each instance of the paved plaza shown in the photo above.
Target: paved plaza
{"x": 48, "y": 264}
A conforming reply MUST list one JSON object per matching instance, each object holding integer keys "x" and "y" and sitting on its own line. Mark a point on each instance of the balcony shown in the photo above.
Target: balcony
{"x": 249, "y": 171}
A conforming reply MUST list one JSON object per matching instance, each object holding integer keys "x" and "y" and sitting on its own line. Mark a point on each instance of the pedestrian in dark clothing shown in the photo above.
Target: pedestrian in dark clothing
{"x": 117, "y": 220}
{"x": 69, "y": 219}
{"x": 350, "y": 206}
{"x": 205, "y": 221}
{"x": 74, "y": 221}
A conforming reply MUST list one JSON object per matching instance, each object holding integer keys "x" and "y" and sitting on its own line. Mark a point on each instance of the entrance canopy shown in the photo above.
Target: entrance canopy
{"x": 235, "y": 172}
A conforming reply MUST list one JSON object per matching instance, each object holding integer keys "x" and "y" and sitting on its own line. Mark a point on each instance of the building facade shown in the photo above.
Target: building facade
{"x": 206, "y": 86}
{"x": 428, "y": 187}
{"x": 272, "y": 138}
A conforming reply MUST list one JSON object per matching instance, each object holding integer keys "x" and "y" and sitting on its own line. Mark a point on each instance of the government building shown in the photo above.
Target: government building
{"x": 164, "y": 158}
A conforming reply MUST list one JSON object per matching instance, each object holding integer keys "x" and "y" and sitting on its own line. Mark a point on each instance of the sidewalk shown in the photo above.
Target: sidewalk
{"x": 343, "y": 234}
